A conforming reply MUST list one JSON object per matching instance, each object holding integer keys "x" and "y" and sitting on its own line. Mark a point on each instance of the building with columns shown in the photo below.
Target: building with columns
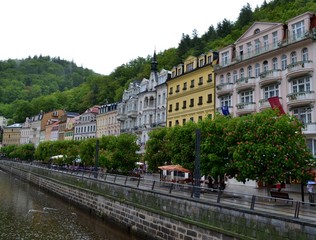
{"x": 271, "y": 60}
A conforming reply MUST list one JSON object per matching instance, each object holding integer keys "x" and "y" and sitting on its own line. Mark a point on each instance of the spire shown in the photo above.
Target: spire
{"x": 154, "y": 63}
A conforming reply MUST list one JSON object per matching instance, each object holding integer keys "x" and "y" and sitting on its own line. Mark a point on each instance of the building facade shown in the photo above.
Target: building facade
{"x": 86, "y": 125}
{"x": 191, "y": 90}
{"x": 63, "y": 124}
{"x": 12, "y": 134}
{"x": 143, "y": 106}
{"x": 271, "y": 60}
{"x": 107, "y": 123}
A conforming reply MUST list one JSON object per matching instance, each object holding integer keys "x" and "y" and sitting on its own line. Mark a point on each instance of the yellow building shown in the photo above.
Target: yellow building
{"x": 12, "y": 134}
{"x": 191, "y": 90}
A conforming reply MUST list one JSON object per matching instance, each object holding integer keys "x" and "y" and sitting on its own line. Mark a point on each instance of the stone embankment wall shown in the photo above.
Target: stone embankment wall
{"x": 161, "y": 216}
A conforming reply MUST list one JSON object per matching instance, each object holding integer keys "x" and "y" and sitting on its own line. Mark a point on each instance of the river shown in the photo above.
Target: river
{"x": 29, "y": 213}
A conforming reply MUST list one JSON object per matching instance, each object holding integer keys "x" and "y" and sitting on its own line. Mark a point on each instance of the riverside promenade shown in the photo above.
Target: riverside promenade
{"x": 168, "y": 210}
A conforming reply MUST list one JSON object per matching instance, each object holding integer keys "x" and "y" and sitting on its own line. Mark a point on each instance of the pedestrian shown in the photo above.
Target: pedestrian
{"x": 310, "y": 192}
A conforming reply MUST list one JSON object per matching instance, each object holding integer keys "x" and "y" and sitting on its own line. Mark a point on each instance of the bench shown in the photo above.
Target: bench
{"x": 282, "y": 195}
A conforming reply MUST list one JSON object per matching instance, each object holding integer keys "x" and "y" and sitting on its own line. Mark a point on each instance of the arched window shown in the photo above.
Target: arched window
{"x": 293, "y": 57}
{"x": 257, "y": 70}
{"x": 221, "y": 79}
{"x": 228, "y": 78}
{"x": 284, "y": 61}
{"x": 265, "y": 66}
{"x": 304, "y": 54}
{"x": 242, "y": 73}
{"x": 275, "y": 63}
{"x": 235, "y": 76}
{"x": 249, "y": 71}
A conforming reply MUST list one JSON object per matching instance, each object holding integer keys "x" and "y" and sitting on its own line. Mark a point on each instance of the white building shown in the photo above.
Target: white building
{"x": 271, "y": 60}
{"x": 143, "y": 105}
{"x": 86, "y": 125}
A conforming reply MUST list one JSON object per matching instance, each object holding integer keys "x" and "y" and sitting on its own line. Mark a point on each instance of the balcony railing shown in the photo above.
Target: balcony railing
{"x": 244, "y": 108}
{"x": 299, "y": 68}
{"x": 300, "y": 98}
{"x": 224, "y": 88}
{"x": 245, "y": 82}
{"x": 270, "y": 76}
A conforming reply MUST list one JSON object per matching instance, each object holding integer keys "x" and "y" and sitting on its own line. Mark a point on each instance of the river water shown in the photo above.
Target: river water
{"x": 29, "y": 213}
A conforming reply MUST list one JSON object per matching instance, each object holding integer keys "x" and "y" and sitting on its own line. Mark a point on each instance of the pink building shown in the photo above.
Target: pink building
{"x": 271, "y": 60}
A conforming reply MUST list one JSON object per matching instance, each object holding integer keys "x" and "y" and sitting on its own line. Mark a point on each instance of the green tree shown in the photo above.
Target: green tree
{"x": 270, "y": 148}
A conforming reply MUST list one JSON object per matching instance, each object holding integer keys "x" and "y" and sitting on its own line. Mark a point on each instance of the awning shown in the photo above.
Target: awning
{"x": 57, "y": 156}
{"x": 177, "y": 168}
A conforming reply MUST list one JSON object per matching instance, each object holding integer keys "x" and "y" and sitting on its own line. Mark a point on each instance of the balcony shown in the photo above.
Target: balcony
{"x": 299, "y": 69}
{"x": 309, "y": 128}
{"x": 245, "y": 83}
{"x": 224, "y": 88}
{"x": 264, "y": 103}
{"x": 269, "y": 77}
{"x": 132, "y": 114}
{"x": 121, "y": 117}
{"x": 300, "y": 99}
{"x": 245, "y": 108}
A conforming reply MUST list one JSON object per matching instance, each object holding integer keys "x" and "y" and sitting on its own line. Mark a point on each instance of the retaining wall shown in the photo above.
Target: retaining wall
{"x": 161, "y": 216}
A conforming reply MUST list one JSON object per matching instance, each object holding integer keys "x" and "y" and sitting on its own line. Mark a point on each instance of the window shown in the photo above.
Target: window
{"x": 177, "y": 107}
{"x": 209, "y": 98}
{"x": 200, "y": 118}
{"x": 241, "y": 51}
{"x": 275, "y": 39}
{"x": 184, "y": 106}
{"x": 275, "y": 64}
{"x": 221, "y": 79}
{"x": 225, "y": 58}
{"x": 304, "y": 55}
{"x": 284, "y": 62}
{"x": 257, "y": 46}
{"x": 201, "y": 64}
{"x": 210, "y": 77}
{"x": 183, "y": 121}
{"x": 242, "y": 73}
{"x": 184, "y": 86}
{"x": 266, "y": 42}
{"x": 235, "y": 76}
{"x": 170, "y": 124}
{"x": 257, "y": 70}
{"x": 189, "y": 67}
{"x": 170, "y": 108}
{"x": 228, "y": 78}
{"x": 192, "y": 119}
{"x": 192, "y": 102}
{"x": 200, "y": 100}
{"x": 225, "y": 100}
{"x": 249, "y": 71}
{"x": 301, "y": 85}
{"x": 192, "y": 84}
{"x": 271, "y": 91}
{"x": 265, "y": 66}
{"x": 177, "y": 122}
{"x": 298, "y": 30}
{"x": 293, "y": 57}
{"x": 200, "y": 80}
{"x": 246, "y": 96}
{"x": 171, "y": 90}
{"x": 304, "y": 114}
{"x": 163, "y": 98}
{"x": 178, "y": 89}
{"x": 249, "y": 49}
{"x": 209, "y": 59}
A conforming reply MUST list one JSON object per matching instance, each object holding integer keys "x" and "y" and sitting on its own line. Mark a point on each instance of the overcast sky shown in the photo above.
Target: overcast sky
{"x": 102, "y": 34}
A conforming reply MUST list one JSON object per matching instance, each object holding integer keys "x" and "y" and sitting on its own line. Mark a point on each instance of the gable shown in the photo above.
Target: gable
{"x": 257, "y": 28}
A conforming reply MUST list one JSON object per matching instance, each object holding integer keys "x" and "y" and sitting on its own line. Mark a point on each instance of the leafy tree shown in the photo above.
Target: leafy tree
{"x": 270, "y": 148}
{"x": 157, "y": 153}
{"x": 245, "y": 17}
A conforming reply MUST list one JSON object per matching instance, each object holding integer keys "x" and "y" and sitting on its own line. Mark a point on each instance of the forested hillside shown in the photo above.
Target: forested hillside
{"x": 30, "y": 85}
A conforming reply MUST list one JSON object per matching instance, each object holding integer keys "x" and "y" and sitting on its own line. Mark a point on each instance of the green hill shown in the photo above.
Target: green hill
{"x": 30, "y": 85}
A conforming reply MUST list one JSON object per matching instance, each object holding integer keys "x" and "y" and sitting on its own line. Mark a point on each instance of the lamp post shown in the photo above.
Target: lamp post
{"x": 197, "y": 174}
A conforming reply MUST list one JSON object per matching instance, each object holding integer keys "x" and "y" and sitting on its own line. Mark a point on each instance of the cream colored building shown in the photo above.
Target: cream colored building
{"x": 191, "y": 90}
{"x": 107, "y": 123}
{"x": 12, "y": 134}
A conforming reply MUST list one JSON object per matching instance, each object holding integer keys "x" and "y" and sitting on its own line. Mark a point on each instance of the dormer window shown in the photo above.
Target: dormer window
{"x": 189, "y": 67}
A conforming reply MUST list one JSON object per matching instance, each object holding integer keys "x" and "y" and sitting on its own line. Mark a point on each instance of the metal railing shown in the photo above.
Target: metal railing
{"x": 92, "y": 180}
